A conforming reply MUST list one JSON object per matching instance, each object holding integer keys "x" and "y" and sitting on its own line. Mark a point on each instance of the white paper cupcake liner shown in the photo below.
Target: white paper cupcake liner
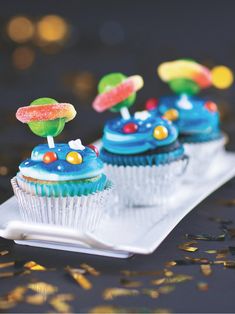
{"x": 201, "y": 156}
{"x": 77, "y": 212}
{"x": 146, "y": 185}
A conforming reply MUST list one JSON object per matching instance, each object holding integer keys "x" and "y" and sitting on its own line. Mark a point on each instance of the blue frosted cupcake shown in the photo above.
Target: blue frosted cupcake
{"x": 198, "y": 123}
{"x": 197, "y": 119}
{"x": 144, "y": 158}
{"x": 61, "y": 184}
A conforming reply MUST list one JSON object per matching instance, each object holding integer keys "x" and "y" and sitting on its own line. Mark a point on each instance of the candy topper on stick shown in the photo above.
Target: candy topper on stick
{"x": 189, "y": 77}
{"x": 117, "y": 93}
{"x": 46, "y": 117}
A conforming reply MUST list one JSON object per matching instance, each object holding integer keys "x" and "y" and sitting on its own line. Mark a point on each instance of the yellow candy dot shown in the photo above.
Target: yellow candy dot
{"x": 160, "y": 132}
{"x": 74, "y": 158}
{"x": 171, "y": 114}
{"x": 222, "y": 77}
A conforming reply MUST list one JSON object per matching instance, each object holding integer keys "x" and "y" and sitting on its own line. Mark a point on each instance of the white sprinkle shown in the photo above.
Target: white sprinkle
{"x": 77, "y": 144}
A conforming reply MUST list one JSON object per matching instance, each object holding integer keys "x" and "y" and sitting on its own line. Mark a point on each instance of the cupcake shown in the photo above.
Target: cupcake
{"x": 142, "y": 154}
{"x": 197, "y": 119}
{"x": 60, "y": 184}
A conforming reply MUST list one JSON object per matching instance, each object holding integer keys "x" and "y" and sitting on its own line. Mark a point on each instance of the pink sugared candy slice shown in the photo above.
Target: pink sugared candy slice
{"x": 118, "y": 93}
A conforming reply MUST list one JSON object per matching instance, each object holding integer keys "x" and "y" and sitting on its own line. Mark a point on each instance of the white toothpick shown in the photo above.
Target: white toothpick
{"x": 125, "y": 113}
{"x": 50, "y": 141}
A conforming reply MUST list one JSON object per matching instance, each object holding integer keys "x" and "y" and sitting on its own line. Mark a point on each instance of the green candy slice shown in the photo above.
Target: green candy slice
{"x": 46, "y": 128}
{"x": 111, "y": 80}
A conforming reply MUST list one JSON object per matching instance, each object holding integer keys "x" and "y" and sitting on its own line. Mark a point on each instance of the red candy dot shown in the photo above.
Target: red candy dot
{"x": 49, "y": 157}
{"x": 211, "y": 106}
{"x": 130, "y": 128}
{"x": 94, "y": 148}
{"x": 151, "y": 104}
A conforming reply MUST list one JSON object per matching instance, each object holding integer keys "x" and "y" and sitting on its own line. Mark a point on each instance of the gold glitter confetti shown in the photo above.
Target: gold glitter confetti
{"x": 36, "y": 299}
{"x": 58, "y": 302}
{"x": 230, "y": 202}
{"x": 77, "y": 275}
{"x": 222, "y": 253}
{"x": 202, "y": 286}
{"x": 187, "y": 246}
{"x": 162, "y": 311}
{"x": 104, "y": 309}
{"x": 205, "y": 237}
{"x": 10, "y": 300}
{"x": 197, "y": 260}
{"x": 166, "y": 289}
{"x": 34, "y": 266}
{"x": 91, "y": 270}
{"x": 3, "y": 253}
{"x": 8, "y": 264}
{"x": 170, "y": 264}
{"x": 168, "y": 273}
{"x": 43, "y": 288}
{"x": 130, "y": 273}
{"x": 152, "y": 293}
{"x": 229, "y": 264}
{"x": 111, "y": 293}
{"x": 175, "y": 279}
{"x": 130, "y": 283}
{"x": 211, "y": 251}
{"x": 206, "y": 269}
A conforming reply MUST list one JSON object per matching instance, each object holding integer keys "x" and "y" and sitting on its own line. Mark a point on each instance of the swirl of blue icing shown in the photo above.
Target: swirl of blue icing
{"x": 194, "y": 118}
{"x": 61, "y": 170}
{"x": 116, "y": 141}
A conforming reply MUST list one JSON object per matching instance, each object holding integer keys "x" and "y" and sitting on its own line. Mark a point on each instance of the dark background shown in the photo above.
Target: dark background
{"x": 132, "y": 37}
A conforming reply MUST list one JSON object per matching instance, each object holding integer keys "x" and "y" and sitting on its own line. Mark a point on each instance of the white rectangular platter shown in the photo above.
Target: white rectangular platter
{"x": 132, "y": 231}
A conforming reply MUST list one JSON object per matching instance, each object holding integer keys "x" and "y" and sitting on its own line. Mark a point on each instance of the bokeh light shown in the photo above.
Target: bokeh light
{"x": 222, "y": 77}
{"x": 23, "y": 57}
{"x": 20, "y": 29}
{"x": 52, "y": 29}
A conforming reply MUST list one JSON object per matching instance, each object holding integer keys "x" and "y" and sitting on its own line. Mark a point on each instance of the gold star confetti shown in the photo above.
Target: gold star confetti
{"x": 175, "y": 279}
{"x": 187, "y": 246}
{"x": 59, "y": 303}
{"x": 34, "y": 266}
{"x": 36, "y": 299}
{"x": 130, "y": 283}
{"x": 206, "y": 269}
{"x": 43, "y": 288}
{"x": 205, "y": 237}
{"x": 111, "y": 293}
{"x": 8, "y": 264}
{"x": 152, "y": 293}
{"x": 91, "y": 270}
{"x": 78, "y": 276}
{"x": 130, "y": 273}
{"x": 166, "y": 289}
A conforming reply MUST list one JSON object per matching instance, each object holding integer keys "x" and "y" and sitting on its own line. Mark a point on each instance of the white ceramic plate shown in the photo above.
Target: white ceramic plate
{"x": 136, "y": 230}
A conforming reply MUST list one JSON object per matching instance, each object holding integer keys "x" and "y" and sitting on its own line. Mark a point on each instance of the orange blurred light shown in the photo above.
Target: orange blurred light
{"x": 23, "y": 57}
{"x": 52, "y": 28}
{"x": 20, "y": 29}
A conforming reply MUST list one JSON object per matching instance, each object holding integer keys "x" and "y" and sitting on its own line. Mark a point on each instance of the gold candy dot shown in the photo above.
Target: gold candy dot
{"x": 74, "y": 158}
{"x": 160, "y": 132}
{"x": 171, "y": 114}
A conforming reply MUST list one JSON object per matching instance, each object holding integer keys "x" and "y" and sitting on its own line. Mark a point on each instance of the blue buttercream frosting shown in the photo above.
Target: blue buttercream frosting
{"x": 116, "y": 141}
{"x": 194, "y": 118}
{"x": 61, "y": 169}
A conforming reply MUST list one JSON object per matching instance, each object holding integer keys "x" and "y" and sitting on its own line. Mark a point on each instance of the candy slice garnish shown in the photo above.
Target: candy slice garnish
{"x": 46, "y": 112}
{"x": 187, "y": 69}
{"x": 118, "y": 93}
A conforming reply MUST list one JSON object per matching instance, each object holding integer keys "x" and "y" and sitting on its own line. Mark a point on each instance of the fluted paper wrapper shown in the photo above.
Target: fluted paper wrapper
{"x": 146, "y": 185}
{"x": 76, "y": 212}
{"x": 201, "y": 157}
